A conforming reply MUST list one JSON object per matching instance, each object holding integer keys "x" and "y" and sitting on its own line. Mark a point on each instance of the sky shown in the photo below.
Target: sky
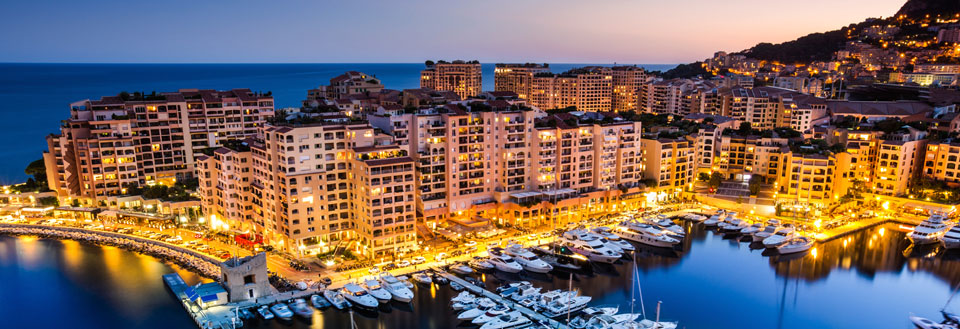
{"x": 408, "y": 31}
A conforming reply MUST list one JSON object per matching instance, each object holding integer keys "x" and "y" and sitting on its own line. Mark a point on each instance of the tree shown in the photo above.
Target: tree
{"x": 715, "y": 180}
{"x": 754, "y": 184}
{"x": 48, "y": 201}
{"x": 703, "y": 177}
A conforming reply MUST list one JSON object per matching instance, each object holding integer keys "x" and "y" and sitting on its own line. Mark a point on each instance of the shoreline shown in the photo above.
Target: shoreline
{"x": 186, "y": 259}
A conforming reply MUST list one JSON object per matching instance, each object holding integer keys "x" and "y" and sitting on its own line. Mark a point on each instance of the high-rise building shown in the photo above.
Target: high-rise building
{"x": 517, "y": 78}
{"x": 588, "y": 89}
{"x": 461, "y": 77}
{"x": 627, "y": 81}
{"x": 349, "y": 83}
{"x": 116, "y": 142}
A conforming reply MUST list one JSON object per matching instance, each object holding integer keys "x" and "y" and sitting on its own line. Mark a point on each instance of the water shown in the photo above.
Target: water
{"x": 36, "y": 97}
{"x": 863, "y": 281}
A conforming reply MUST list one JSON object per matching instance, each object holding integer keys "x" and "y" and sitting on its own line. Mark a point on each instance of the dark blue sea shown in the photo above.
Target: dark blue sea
{"x": 34, "y": 98}
{"x": 871, "y": 279}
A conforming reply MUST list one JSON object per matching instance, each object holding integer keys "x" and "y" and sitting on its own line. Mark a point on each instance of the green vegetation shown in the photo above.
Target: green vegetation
{"x": 38, "y": 181}
{"x": 177, "y": 192}
{"x": 684, "y": 71}
{"x": 937, "y": 191}
{"x": 715, "y": 180}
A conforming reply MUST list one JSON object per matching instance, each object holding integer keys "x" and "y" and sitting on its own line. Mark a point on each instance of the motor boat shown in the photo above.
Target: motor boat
{"x": 422, "y": 278}
{"x": 460, "y": 269}
{"x": 482, "y": 305}
{"x": 561, "y": 257}
{"x": 359, "y": 297}
{"x": 301, "y": 308}
{"x": 456, "y": 286}
{"x": 336, "y": 299}
{"x": 406, "y": 281}
{"x": 779, "y": 238}
{"x": 767, "y": 231}
{"x": 463, "y": 297}
{"x": 925, "y": 323}
{"x": 490, "y": 314}
{"x": 651, "y": 324}
{"x": 752, "y": 229}
{"x": 930, "y": 230}
{"x": 504, "y": 262}
{"x": 556, "y": 303}
{"x": 282, "y": 311}
{"x": 398, "y": 289}
{"x": 481, "y": 264}
{"x": 695, "y": 217}
{"x": 714, "y": 220}
{"x": 646, "y": 234}
{"x": 527, "y": 259}
{"x": 601, "y": 309}
{"x": 733, "y": 225}
{"x": 668, "y": 225}
{"x": 509, "y": 320}
{"x": 439, "y": 279}
{"x": 951, "y": 239}
{"x": 589, "y": 247}
{"x": 613, "y": 238}
{"x": 375, "y": 289}
{"x": 522, "y": 291}
{"x": 795, "y": 245}
{"x": 319, "y": 302}
{"x": 264, "y": 312}
{"x": 587, "y": 236}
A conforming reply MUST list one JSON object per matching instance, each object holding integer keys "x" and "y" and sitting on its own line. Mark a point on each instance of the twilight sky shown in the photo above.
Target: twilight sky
{"x": 351, "y": 31}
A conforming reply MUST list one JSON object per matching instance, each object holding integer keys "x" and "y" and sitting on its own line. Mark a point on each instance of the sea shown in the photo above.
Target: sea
{"x": 871, "y": 279}
{"x": 35, "y": 98}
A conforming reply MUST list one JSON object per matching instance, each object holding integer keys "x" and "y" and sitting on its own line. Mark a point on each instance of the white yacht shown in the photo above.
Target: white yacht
{"x": 504, "y": 262}
{"x": 930, "y": 230}
{"x": 613, "y": 238}
{"x": 396, "y": 288}
{"x": 766, "y": 232}
{"x": 951, "y": 239}
{"x": 593, "y": 249}
{"x": 734, "y": 225}
{"x": 556, "y": 303}
{"x": 481, "y": 264}
{"x": 359, "y": 297}
{"x": 714, "y": 220}
{"x": 491, "y": 313}
{"x": 779, "y": 238}
{"x": 301, "y": 308}
{"x": 795, "y": 245}
{"x": 668, "y": 225}
{"x": 336, "y": 299}
{"x": 482, "y": 305}
{"x": 422, "y": 278}
{"x": 462, "y": 300}
{"x": 528, "y": 259}
{"x": 646, "y": 234}
{"x": 752, "y": 229}
{"x": 695, "y": 217}
{"x": 282, "y": 311}
{"x": 375, "y": 289}
{"x": 461, "y": 269}
{"x": 509, "y": 320}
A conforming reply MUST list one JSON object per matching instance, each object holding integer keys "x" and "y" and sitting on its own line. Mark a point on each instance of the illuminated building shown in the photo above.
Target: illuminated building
{"x": 461, "y": 77}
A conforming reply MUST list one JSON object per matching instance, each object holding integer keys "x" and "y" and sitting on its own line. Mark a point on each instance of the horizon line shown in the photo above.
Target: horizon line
{"x": 194, "y": 63}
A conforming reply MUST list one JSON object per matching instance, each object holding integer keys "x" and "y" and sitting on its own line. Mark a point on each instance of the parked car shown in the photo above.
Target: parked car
{"x": 374, "y": 270}
{"x": 419, "y": 260}
{"x": 470, "y": 243}
{"x": 403, "y": 263}
{"x": 441, "y": 256}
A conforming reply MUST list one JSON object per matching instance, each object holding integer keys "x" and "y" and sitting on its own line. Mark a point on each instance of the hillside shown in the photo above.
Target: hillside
{"x": 920, "y": 8}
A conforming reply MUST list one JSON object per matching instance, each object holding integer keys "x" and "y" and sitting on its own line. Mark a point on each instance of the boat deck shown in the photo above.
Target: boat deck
{"x": 534, "y": 316}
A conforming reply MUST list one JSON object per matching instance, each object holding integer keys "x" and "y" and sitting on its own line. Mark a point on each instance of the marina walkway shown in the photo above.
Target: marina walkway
{"x": 534, "y": 316}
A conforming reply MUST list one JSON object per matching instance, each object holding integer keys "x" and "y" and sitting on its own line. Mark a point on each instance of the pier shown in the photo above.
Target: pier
{"x": 533, "y": 316}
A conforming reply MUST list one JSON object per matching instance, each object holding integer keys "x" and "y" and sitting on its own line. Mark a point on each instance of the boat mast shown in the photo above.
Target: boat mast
{"x": 569, "y": 299}
{"x": 658, "y": 311}
{"x": 633, "y": 284}
{"x": 636, "y": 276}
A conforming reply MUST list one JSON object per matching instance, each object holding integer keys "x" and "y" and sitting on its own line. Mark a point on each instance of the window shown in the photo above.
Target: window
{"x": 248, "y": 279}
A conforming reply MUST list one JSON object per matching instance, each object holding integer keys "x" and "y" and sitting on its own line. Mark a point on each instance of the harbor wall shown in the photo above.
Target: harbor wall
{"x": 189, "y": 259}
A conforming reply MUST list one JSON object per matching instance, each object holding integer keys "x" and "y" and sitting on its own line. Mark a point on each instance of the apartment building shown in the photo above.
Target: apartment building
{"x": 224, "y": 185}
{"x": 134, "y": 140}
{"x": 461, "y": 77}
{"x": 669, "y": 162}
{"x": 811, "y": 180}
{"x": 806, "y": 85}
{"x": 589, "y": 89}
{"x": 517, "y": 78}
{"x": 349, "y": 83}
{"x": 897, "y": 162}
{"x": 761, "y": 107}
{"x": 942, "y": 162}
{"x": 627, "y": 81}
{"x": 741, "y": 157}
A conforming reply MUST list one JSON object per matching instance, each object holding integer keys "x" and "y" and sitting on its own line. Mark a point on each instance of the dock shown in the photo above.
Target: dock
{"x": 533, "y": 316}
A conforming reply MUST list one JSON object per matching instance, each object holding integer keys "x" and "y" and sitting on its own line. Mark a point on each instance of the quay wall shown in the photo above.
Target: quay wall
{"x": 189, "y": 259}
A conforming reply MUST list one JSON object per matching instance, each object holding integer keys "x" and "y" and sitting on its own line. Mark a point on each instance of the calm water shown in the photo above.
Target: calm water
{"x": 864, "y": 281}
{"x": 35, "y": 97}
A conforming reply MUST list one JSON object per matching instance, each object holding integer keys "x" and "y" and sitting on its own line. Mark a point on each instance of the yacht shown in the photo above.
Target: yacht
{"x": 714, "y": 220}
{"x": 301, "y": 308}
{"x": 282, "y": 311}
{"x": 951, "y": 239}
{"x": 481, "y": 264}
{"x": 556, "y": 303}
{"x": 357, "y": 296}
{"x": 733, "y": 225}
{"x": 650, "y": 324}
{"x": 752, "y": 229}
{"x": 462, "y": 300}
{"x": 930, "y": 230}
{"x": 504, "y": 262}
{"x": 795, "y": 245}
{"x": 766, "y": 232}
{"x": 779, "y": 238}
{"x": 318, "y": 302}
{"x": 336, "y": 299}
{"x": 375, "y": 289}
{"x": 561, "y": 257}
{"x": 461, "y": 269}
{"x": 925, "y": 323}
{"x": 584, "y": 235}
{"x": 528, "y": 259}
{"x": 668, "y": 225}
{"x": 482, "y": 305}
{"x": 509, "y": 320}
{"x": 695, "y": 217}
{"x": 646, "y": 234}
{"x": 265, "y": 313}
{"x": 490, "y": 314}
{"x": 593, "y": 249}
{"x": 422, "y": 278}
{"x": 396, "y": 288}
{"x": 613, "y": 238}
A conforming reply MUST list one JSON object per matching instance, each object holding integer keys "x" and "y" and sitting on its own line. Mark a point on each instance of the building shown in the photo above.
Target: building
{"x": 949, "y": 35}
{"x": 588, "y": 89}
{"x": 246, "y": 278}
{"x": 517, "y": 78}
{"x": 627, "y": 81}
{"x": 942, "y": 162}
{"x": 128, "y": 140}
{"x": 461, "y": 77}
{"x": 897, "y": 162}
{"x": 668, "y": 162}
{"x": 349, "y": 83}
{"x": 810, "y": 180}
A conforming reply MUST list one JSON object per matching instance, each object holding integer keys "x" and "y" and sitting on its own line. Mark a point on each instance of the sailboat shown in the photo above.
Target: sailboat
{"x": 644, "y": 323}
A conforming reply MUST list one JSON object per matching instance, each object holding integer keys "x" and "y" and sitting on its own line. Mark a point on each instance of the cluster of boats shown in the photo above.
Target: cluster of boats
{"x": 772, "y": 234}
{"x": 936, "y": 229}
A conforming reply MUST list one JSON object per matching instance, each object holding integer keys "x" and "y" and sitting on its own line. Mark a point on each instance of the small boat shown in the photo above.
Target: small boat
{"x": 556, "y": 303}
{"x": 695, "y": 217}
{"x": 925, "y": 323}
{"x": 951, "y": 239}
{"x": 439, "y": 279}
{"x": 456, "y": 286}
{"x": 509, "y": 320}
{"x": 375, "y": 289}
{"x": 264, "y": 312}
{"x": 460, "y": 269}
{"x": 359, "y": 297}
{"x": 766, "y": 232}
{"x": 398, "y": 289}
{"x": 463, "y": 297}
{"x": 779, "y": 238}
{"x": 795, "y": 245}
{"x": 336, "y": 299}
{"x": 282, "y": 311}
{"x": 481, "y": 264}
{"x": 319, "y": 302}
{"x": 733, "y": 225}
{"x": 422, "y": 278}
{"x": 301, "y": 309}
{"x": 601, "y": 309}
{"x": 246, "y": 314}
{"x": 752, "y": 229}
{"x": 714, "y": 220}
{"x": 504, "y": 262}
{"x": 482, "y": 305}
{"x": 491, "y": 313}
{"x": 527, "y": 259}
